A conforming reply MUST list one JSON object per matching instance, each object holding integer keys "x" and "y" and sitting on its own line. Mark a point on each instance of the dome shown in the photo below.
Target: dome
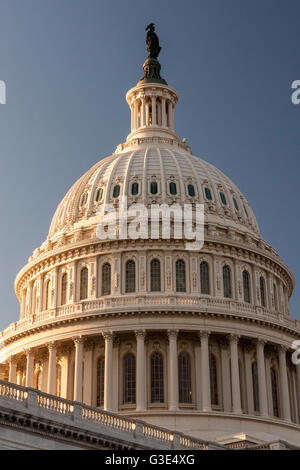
{"x": 196, "y": 181}
{"x": 99, "y": 317}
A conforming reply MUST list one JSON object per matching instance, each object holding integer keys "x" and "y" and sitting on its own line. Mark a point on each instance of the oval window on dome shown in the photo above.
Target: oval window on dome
{"x": 191, "y": 190}
{"x": 134, "y": 189}
{"x": 173, "y": 188}
{"x": 223, "y": 198}
{"x": 153, "y": 187}
{"x": 235, "y": 203}
{"x": 99, "y": 194}
{"x": 208, "y": 194}
{"x": 116, "y": 191}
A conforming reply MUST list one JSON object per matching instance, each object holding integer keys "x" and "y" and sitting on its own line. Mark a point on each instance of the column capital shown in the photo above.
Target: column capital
{"x": 51, "y": 345}
{"x": 261, "y": 342}
{"x": 78, "y": 340}
{"x": 140, "y": 333}
{"x": 12, "y": 360}
{"x": 204, "y": 334}
{"x": 108, "y": 335}
{"x": 172, "y": 333}
{"x": 282, "y": 348}
{"x": 28, "y": 351}
{"x": 233, "y": 337}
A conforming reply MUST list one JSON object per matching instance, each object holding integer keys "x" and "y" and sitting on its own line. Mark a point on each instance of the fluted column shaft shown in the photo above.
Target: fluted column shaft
{"x": 173, "y": 370}
{"x": 108, "y": 371}
{"x": 135, "y": 115}
{"x": 284, "y": 387}
{"x": 235, "y": 375}
{"x": 12, "y": 372}
{"x": 78, "y": 369}
{"x": 29, "y": 368}
{"x": 205, "y": 376}
{"x": 163, "y": 112}
{"x": 143, "y": 112}
{"x": 153, "y": 106}
{"x": 262, "y": 383}
{"x": 52, "y": 369}
{"x": 140, "y": 371}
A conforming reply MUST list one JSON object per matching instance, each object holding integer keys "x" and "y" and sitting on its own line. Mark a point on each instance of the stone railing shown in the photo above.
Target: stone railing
{"x": 131, "y": 303}
{"x": 135, "y": 433}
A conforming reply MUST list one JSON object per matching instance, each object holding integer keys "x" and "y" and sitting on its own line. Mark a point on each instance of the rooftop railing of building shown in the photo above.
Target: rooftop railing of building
{"x": 113, "y": 425}
{"x": 126, "y": 303}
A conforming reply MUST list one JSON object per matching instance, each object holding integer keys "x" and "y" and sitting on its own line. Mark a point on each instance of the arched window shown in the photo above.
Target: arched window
{"x": 274, "y": 386}
{"x": 47, "y": 295}
{"x": 64, "y": 282}
{"x": 100, "y": 381}
{"x": 116, "y": 191}
{"x": 173, "y": 188}
{"x": 155, "y": 275}
{"x": 255, "y": 386}
{"x": 99, "y": 194}
{"x": 208, "y": 194}
{"x": 275, "y": 297}
{"x": 106, "y": 279}
{"x": 213, "y": 379}
{"x": 130, "y": 276}
{"x": 84, "y": 283}
{"x": 184, "y": 378}
{"x": 157, "y": 378}
{"x": 245, "y": 211}
{"x": 153, "y": 187}
{"x": 235, "y": 203}
{"x": 129, "y": 382}
{"x": 180, "y": 276}
{"x": 246, "y": 286}
{"x": 262, "y": 291}
{"x": 134, "y": 189}
{"x": 58, "y": 380}
{"x": 227, "y": 281}
{"x": 191, "y": 190}
{"x": 204, "y": 277}
{"x": 223, "y": 199}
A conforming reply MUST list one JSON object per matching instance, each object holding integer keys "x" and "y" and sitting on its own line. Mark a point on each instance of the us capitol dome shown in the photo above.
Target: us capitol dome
{"x": 194, "y": 341}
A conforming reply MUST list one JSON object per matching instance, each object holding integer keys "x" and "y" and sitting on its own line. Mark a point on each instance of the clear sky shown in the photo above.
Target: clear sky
{"x": 67, "y": 65}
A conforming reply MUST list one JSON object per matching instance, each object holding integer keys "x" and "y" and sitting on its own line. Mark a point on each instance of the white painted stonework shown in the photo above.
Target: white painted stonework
{"x": 209, "y": 360}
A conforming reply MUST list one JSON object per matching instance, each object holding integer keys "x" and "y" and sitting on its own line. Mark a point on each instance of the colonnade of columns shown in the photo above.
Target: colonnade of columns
{"x": 202, "y": 373}
{"x": 152, "y": 111}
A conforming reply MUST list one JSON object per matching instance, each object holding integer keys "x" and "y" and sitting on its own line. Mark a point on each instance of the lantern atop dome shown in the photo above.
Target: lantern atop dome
{"x": 152, "y": 101}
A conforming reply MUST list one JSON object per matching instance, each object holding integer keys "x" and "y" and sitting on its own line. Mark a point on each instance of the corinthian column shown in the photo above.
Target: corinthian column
{"x": 173, "y": 370}
{"x": 52, "y": 368}
{"x": 108, "y": 371}
{"x": 261, "y": 372}
{"x": 140, "y": 371}
{"x": 205, "y": 376}
{"x": 29, "y": 368}
{"x": 12, "y": 374}
{"x": 153, "y": 107}
{"x": 235, "y": 375}
{"x": 78, "y": 368}
{"x": 284, "y": 386}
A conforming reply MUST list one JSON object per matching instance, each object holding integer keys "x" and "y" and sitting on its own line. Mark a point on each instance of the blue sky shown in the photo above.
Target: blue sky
{"x": 67, "y": 65}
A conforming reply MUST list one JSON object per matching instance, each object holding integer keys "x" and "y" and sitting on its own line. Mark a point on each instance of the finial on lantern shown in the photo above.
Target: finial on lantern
{"x": 152, "y": 66}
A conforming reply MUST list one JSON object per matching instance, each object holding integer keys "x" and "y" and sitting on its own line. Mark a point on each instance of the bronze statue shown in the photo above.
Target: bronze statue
{"x": 152, "y": 42}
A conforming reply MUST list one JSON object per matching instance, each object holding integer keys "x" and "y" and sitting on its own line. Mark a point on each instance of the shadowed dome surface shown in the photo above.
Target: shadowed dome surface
{"x": 135, "y": 171}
